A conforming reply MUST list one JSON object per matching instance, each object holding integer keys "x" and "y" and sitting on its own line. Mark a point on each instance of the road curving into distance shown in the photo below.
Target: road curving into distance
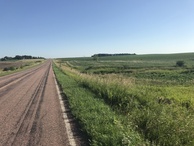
{"x": 30, "y": 111}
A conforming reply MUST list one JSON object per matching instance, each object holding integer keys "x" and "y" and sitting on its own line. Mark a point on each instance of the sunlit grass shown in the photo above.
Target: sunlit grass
{"x": 102, "y": 125}
{"x": 157, "y": 98}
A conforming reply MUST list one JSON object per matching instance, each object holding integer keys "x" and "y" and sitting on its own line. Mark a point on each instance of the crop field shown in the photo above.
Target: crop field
{"x": 151, "y": 95}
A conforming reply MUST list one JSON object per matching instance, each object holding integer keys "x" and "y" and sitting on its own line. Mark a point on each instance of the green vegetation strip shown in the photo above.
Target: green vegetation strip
{"x": 19, "y": 66}
{"x": 160, "y": 120}
{"x": 162, "y": 114}
{"x": 102, "y": 125}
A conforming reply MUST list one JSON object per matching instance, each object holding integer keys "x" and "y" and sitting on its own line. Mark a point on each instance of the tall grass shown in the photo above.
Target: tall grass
{"x": 103, "y": 126}
{"x": 162, "y": 123}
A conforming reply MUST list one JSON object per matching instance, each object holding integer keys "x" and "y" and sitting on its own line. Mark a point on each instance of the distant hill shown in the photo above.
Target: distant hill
{"x": 18, "y": 57}
{"x": 105, "y": 55}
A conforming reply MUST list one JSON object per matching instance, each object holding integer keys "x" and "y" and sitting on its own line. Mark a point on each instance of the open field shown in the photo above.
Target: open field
{"x": 8, "y": 67}
{"x": 154, "y": 94}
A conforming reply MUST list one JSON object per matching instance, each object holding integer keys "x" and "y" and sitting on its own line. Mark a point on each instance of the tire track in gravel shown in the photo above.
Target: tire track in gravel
{"x": 30, "y": 112}
{"x": 15, "y": 78}
{"x": 6, "y": 86}
{"x": 24, "y": 125}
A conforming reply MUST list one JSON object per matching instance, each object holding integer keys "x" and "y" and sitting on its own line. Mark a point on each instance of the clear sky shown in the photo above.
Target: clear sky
{"x": 77, "y": 28}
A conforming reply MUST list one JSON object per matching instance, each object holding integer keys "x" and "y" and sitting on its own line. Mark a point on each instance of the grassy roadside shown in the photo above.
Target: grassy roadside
{"x": 162, "y": 114}
{"x": 20, "y": 66}
{"x": 102, "y": 125}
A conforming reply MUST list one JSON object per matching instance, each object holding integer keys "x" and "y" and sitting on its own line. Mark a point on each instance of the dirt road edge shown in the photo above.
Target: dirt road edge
{"x": 65, "y": 117}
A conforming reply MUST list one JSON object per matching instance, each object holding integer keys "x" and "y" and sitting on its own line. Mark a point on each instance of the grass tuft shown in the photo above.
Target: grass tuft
{"x": 102, "y": 125}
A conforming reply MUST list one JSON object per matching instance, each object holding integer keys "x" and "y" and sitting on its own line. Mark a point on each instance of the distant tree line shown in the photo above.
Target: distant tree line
{"x": 104, "y": 55}
{"x": 18, "y": 57}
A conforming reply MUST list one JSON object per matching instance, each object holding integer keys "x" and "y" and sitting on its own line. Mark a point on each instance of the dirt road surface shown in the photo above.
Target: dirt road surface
{"x": 30, "y": 111}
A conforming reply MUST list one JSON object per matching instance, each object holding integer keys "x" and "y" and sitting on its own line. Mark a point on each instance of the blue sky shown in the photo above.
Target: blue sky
{"x": 77, "y": 28}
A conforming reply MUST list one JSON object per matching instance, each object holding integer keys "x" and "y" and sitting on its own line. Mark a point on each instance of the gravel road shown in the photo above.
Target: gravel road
{"x": 30, "y": 111}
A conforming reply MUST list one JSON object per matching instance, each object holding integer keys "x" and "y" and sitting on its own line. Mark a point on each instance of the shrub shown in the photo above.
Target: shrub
{"x": 12, "y": 68}
{"x": 5, "y": 69}
{"x": 9, "y": 68}
{"x": 180, "y": 63}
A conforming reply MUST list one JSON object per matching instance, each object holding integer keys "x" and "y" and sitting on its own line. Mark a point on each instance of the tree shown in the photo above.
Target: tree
{"x": 180, "y": 63}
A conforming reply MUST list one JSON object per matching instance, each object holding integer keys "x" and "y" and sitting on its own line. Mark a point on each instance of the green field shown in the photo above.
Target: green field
{"x": 153, "y": 93}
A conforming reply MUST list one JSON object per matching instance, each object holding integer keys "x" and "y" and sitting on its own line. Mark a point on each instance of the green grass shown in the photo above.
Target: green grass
{"x": 135, "y": 60}
{"x": 102, "y": 125}
{"x": 131, "y": 65}
{"x": 155, "y": 95}
{"x": 177, "y": 56}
